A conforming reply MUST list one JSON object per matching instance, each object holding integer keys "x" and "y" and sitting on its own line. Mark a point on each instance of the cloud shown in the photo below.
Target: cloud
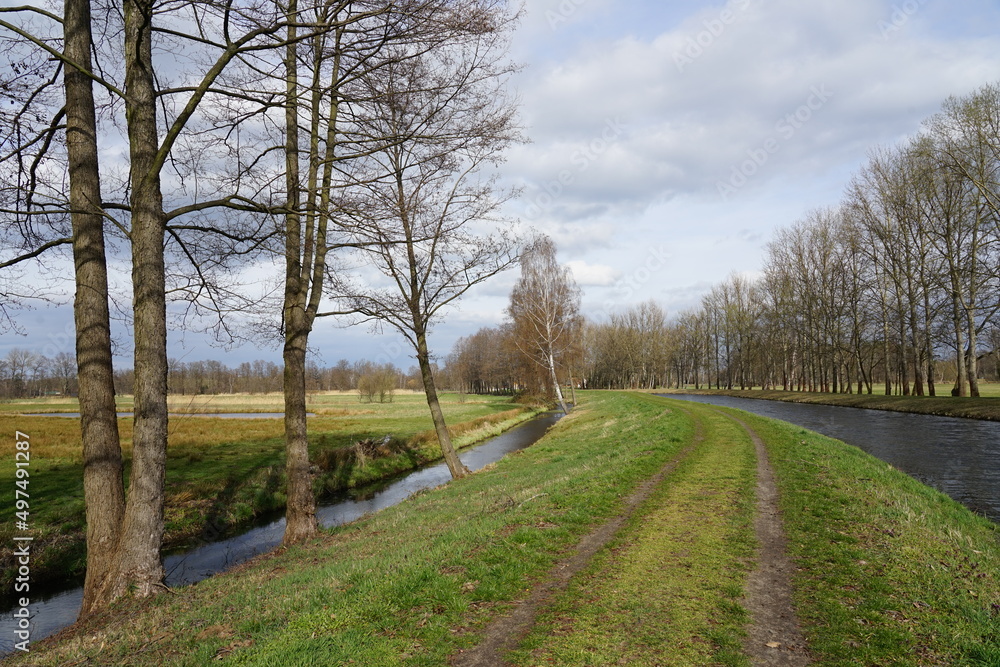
{"x": 593, "y": 275}
{"x": 687, "y": 122}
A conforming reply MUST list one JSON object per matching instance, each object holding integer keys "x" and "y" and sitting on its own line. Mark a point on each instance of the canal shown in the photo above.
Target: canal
{"x": 960, "y": 457}
{"x": 59, "y": 608}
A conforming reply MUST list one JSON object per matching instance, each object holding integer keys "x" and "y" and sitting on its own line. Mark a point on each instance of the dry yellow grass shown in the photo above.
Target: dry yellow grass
{"x": 59, "y": 437}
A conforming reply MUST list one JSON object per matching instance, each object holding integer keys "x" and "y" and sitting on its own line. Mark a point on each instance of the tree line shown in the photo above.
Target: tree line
{"x": 879, "y": 293}
{"x": 633, "y": 350}
{"x": 259, "y": 377}
{"x": 895, "y": 290}
{"x": 532, "y": 353}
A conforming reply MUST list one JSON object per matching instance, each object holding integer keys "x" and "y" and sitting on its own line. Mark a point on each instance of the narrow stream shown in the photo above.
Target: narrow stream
{"x": 960, "y": 457}
{"x": 51, "y": 613}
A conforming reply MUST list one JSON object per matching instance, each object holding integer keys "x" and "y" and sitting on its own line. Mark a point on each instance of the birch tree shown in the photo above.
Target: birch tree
{"x": 545, "y": 309}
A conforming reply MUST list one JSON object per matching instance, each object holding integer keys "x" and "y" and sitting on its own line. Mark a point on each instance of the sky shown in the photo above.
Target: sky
{"x": 669, "y": 140}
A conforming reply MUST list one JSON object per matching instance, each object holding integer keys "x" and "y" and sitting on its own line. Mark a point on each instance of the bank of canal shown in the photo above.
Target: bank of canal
{"x": 960, "y": 457}
{"x": 60, "y": 607}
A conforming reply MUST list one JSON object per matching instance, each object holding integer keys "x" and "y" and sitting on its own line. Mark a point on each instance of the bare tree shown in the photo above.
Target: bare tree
{"x": 104, "y": 490}
{"x": 436, "y": 120}
{"x": 325, "y": 75}
{"x": 126, "y": 533}
{"x": 545, "y": 309}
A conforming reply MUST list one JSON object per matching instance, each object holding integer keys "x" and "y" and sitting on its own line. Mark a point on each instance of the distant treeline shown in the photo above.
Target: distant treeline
{"x": 25, "y": 374}
{"x": 893, "y": 290}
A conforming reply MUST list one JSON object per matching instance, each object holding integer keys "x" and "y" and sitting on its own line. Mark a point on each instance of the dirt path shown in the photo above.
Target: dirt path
{"x": 774, "y": 636}
{"x": 503, "y": 634}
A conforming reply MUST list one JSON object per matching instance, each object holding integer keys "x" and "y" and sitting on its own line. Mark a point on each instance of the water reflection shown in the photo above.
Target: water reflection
{"x": 960, "y": 457}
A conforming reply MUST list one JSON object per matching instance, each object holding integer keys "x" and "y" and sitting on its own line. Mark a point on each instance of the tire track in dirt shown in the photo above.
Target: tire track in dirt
{"x": 774, "y": 635}
{"x": 503, "y": 633}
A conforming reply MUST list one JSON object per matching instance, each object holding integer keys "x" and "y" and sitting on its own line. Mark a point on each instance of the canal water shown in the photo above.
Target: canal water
{"x": 960, "y": 457}
{"x": 50, "y": 613}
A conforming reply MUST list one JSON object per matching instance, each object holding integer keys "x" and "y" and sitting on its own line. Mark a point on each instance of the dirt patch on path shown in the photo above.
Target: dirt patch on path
{"x": 774, "y": 636}
{"x": 503, "y": 634}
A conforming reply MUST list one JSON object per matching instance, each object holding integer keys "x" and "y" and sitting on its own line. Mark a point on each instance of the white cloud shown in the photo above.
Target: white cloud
{"x": 687, "y": 127}
{"x": 593, "y": 275}
{"x": 630, "y": 141}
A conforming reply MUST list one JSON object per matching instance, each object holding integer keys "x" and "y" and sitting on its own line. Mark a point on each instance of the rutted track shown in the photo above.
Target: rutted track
{"x": 503, "y": 633}
{"x": 773, "y": 636}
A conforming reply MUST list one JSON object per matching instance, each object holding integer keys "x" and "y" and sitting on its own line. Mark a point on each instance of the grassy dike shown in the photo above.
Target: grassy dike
{"x": 666, "y": 591}
{"x": 223, "y": 473}
{"x": 890, "y": 571}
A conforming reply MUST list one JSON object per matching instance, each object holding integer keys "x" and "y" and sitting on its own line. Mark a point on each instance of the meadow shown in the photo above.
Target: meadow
{"x": 223, "y": 473}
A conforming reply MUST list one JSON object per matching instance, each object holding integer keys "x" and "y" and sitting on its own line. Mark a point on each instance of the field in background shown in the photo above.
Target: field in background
{"x": 212, "y": 403}
{"x": 223, "y": 473}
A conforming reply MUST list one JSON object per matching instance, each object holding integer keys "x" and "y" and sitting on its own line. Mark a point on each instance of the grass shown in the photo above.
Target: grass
{"x": 223, "y": 473}
{"x": 667, "y": 590}
{"x": 983, "y": 407}
{"x": 409, "y": 585}
{"x": 889, "y": 571}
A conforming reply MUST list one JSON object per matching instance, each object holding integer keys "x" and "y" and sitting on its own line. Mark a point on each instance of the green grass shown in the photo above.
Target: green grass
{"x": 890, "y": 572}
{"x": 222, "y": 473}
{"x": 411, "y": 584}
{"x": 667, "y": 590}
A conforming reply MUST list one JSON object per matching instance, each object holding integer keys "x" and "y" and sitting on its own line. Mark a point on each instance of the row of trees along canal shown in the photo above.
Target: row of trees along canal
{"x": 195, "y": 143}
{"x": 903, "y": 273}
{"x": 896, "y": 289}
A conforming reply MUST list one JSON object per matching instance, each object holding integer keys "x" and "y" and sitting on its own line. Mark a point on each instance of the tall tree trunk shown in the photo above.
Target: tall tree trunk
{"x": 103, "y": 488}
{"x": 300, "y": 508}
{"x": 918, "y": 351}
{"x": 138, "y": 566}
{"x": 960, "y": 388}
{"x": 455, "y": 465}
{"x": 928, "y": 345}
{"x": 300, "y": 513}
{"x": 885, "y": 352}
{"x": 972, "y": 370}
